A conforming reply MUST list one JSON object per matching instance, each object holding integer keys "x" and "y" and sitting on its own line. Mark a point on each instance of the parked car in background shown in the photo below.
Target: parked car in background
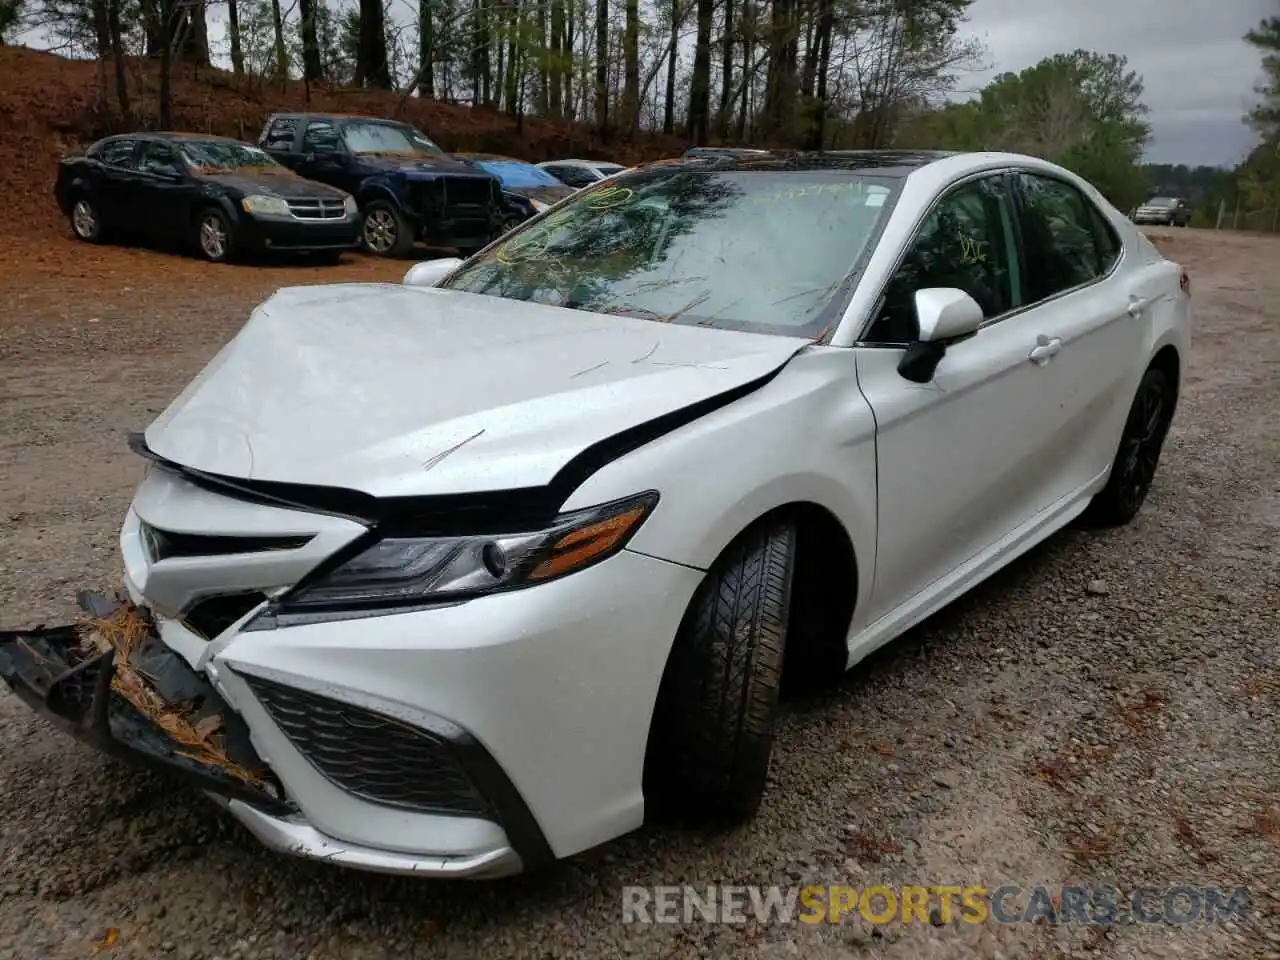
{"x": 1167, "y": 211}
{"x": 708, "y": 153}
{"x": 478, "y": 571}
{"x": 408, "y": 189}
{"x": 219, "y": 196}
{"x": 526, "y": 188}
{"x": 580, "y": 173}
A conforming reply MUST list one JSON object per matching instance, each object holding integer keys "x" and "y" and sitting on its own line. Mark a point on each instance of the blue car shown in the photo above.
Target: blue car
{"x": 526, "y": 189}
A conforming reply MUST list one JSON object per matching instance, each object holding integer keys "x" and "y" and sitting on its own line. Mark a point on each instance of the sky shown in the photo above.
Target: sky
{"x": 1199, "y": 72}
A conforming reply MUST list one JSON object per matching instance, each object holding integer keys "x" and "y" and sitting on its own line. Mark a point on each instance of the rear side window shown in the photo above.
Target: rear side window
{"x": 279, "y": 135}
{"x": 321, "y": 136}
{"x": 1108, "y": 242}
{"x": 117, "y": 153}
{"x": 1060, "y": 230}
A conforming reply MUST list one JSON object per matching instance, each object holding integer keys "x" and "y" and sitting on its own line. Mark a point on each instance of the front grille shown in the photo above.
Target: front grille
{"x": 317, "y": 208}
{"x": 375, "y": 757}
{"x": 210, "y": 616}
{"x": 164, "y": 544}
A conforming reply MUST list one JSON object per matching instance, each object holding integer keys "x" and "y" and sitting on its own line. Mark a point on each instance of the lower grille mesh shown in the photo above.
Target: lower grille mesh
{"x": 375, "y": 757}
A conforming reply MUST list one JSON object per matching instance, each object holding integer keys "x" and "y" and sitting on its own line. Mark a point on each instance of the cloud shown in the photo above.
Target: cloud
{"x": 1198, "y": 71}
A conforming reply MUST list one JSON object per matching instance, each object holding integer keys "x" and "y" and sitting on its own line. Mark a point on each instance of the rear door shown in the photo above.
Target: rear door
{"x": 324, "y": 156}
{"x": 279, "y": 139}
{"x": 1094, "y": 308}
{"x": 963, "y": 460}
{"x": 113, "y": 184}
{"x": 162, "y": 192}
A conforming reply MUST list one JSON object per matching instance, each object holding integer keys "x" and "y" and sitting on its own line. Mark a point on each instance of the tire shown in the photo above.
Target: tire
{"x": 86, "y": 220}
{"x": 385, "y": 232}
{"x": 1135, "y": 464}
{"x": 509, "y": 224}
{"x": 213, "y": 238}
{"x": 708, "y": 755}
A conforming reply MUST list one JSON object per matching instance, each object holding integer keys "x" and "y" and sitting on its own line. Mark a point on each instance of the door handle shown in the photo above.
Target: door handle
{"x": 1046, "y": 349}
{"x": 1138, "y": 304}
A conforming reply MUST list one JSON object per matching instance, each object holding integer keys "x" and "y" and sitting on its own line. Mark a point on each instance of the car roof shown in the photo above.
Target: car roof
{"x": 496, "y": 157}
{"x": 887, "y": 163}
{"x": 337, "y": 116}
{"x": 171, "y": 135}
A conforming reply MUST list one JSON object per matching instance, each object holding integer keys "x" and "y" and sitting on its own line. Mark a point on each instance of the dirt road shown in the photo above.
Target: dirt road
{"x": 1106, "y": 711}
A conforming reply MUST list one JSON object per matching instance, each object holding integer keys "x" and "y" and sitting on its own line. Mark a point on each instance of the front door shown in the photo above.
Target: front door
{"x": 161, "y": 191}
{"x": 324, "y": 157}
{"x": 965, "y": 459}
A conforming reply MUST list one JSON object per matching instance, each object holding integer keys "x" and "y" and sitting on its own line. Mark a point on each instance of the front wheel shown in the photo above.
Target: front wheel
{"x": 213, "y": 235}
{"x": 708, "y": 754}
{"x": 385, "y": 233}
{"x": 1139, "y": 454}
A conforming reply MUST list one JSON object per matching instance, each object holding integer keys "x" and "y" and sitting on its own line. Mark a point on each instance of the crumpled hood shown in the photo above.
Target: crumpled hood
{"x": 398, "y": 391}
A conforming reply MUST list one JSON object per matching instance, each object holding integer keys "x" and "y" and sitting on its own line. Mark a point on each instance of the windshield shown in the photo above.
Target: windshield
{"x": 373, "y": 137}
{"x": 224, "y": 154}
{"x": 517, "y": 173}
{"x": 1162, "y": 202}
{"x": 762, "y": 251}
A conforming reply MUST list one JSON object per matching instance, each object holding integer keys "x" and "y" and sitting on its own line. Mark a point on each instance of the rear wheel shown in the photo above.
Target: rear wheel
{"x": 86, "y": 221}
{"x": 385, "y": 233}
{"x": 708, "y": 754}
{"x": 1139, "y": 454}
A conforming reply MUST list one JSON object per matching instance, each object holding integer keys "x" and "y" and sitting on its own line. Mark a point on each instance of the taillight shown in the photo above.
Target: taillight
{"x": 1184, "y": 282}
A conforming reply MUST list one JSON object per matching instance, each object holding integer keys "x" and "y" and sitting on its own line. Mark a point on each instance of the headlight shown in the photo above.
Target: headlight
{"x": 262, "y": 204}
{"x": 539, "y": 206}
{"x": 349, "y": 205}
{"x": 419, "y": 571}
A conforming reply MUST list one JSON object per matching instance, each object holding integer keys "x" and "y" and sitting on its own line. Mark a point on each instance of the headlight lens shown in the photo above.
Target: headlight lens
{"x": 349, "y": 204}
{"x": 263, "y": 204}
{"x": 418, "y": 571}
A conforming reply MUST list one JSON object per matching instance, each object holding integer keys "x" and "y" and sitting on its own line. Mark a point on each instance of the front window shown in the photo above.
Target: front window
{"x": 515, "y": 173}
{"x": 224, "y": 155}
{"x": 605, "y": 169}
{"x": 372, "y": 137}
{"x": 1162, "y": 202}
{"x": 763, "y": 250}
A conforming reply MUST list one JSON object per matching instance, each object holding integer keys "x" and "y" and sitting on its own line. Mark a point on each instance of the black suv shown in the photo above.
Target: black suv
{"x": 407, "y": 187}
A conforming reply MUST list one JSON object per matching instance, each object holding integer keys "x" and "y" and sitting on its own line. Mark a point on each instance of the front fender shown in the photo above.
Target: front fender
{"x": 381, "y": 187}
{"x": 807, "y": 436}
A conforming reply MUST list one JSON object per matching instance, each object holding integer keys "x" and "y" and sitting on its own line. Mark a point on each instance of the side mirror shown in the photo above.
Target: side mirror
{"x": 944, "y": 315}
{"x": 430, "y": 272}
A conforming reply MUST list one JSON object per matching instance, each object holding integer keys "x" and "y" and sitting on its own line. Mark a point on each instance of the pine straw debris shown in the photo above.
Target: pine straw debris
{"x": 124, "y": 631}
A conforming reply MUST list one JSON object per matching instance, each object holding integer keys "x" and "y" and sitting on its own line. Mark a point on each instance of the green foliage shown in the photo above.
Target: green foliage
{"x": 1258, "y": 178}
{"x": 1082, "y": 109}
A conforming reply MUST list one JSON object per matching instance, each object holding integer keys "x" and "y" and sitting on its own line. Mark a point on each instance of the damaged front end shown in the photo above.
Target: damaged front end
{"x": 110, "y": 681}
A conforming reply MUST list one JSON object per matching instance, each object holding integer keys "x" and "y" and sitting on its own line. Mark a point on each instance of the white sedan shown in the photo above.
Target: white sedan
{"x": 461, "y": 575}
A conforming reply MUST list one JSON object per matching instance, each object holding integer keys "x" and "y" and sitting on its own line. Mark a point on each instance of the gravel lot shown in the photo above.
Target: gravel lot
{"x": 1104, "y": 711}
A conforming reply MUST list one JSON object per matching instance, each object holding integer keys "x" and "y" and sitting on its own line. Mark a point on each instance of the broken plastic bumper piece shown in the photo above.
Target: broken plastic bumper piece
{"x": 110, "y": 681}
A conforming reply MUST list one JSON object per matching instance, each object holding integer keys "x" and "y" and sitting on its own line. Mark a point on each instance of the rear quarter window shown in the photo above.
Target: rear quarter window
{"x": 280, "y": 134}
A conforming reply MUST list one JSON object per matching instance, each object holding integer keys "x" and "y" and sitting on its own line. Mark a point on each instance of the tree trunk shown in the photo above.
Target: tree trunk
{"x": 555, "y": 92}
{"x": 480, "y": 66}
{"x": 514, "y": 58}
{"x": 233, "y": 28}
{"x": 165, "y": 31}
{"x": 822, "y": 68}
{"x": 669, "y": 107}
{"x": 371, "y": 54}
{"x": 426, "y": 50}
{"x": 117, "y": 54}
{"x": 726, "y": 71}
{"x": 189, "y": 25}
{"x": 544, "y": 71}
{"x": 631, "y": 59}
{"x": 602, "y": 67}
{"x": 282, "y": 56}
{"x": 101, "y": 29}
{"x": 312, "y": 69}
{"x": 700, "y": 82}
{"x": 748, "y": 51}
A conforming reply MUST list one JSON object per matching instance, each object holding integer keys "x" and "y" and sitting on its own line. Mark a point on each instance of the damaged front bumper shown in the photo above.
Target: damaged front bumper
{"x": 111, "y": 682}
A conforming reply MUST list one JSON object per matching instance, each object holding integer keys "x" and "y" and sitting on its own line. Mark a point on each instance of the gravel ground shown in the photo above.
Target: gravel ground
{"x": 1105, "y": 711}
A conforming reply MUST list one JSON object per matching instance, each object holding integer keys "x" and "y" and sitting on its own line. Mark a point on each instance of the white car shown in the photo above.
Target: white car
{"x": 581, "y": 173}
{"x": 457, "y": 576}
